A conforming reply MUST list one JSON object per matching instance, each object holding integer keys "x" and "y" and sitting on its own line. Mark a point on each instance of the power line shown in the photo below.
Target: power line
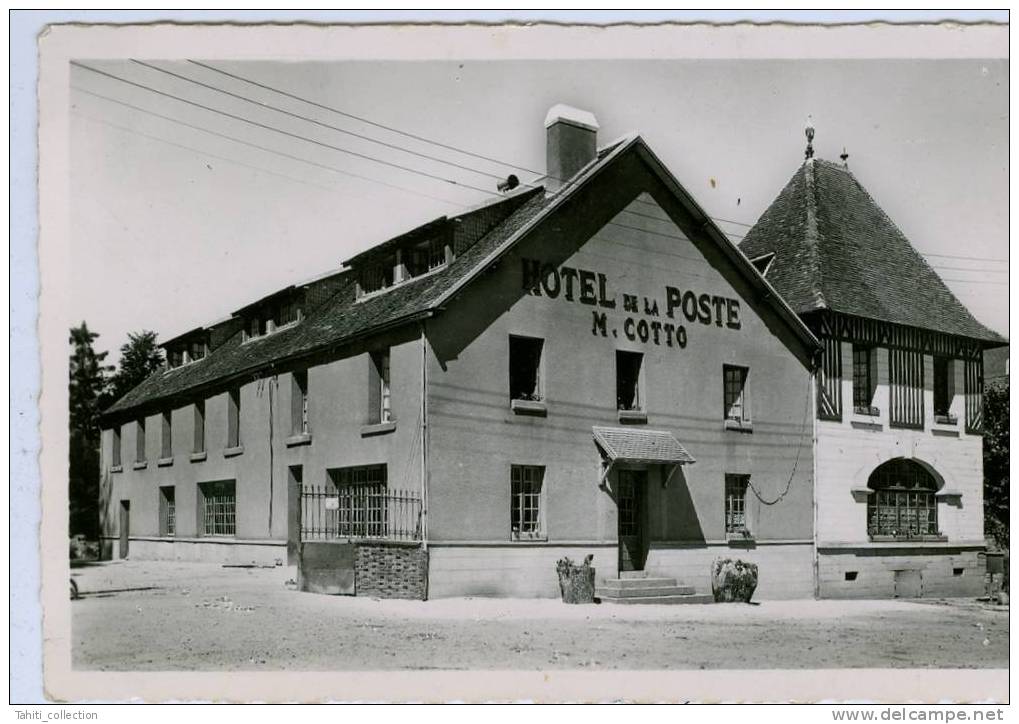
{"x": 362, "y": 119}
{"x": 268, "y": 106}
{"x": 967, "y": 258}
{"x": 964, "y": 269}
{"x": 266, "y": 149}
{"x": 277, "y": 130}
{"x": 973, "y": 281}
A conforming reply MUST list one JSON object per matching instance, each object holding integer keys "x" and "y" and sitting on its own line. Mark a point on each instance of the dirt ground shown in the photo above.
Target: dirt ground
{"x": 159, "y": 616}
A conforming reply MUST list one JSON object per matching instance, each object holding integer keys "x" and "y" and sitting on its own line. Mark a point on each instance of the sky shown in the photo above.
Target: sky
{"x": 180, "y": 215}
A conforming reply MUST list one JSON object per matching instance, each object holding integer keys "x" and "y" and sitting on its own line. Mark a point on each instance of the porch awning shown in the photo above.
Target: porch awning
{"x": 627, "y": 445}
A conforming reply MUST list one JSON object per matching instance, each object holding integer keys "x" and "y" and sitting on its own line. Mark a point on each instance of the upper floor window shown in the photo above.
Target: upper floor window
{"x": 903, "y": 504}
{"x": 273, "y": 316}
{"x": 184, "y": 351}
{"x": 423, "y": 258}
{"x": 377, "y": 276}
{"x": 233, "y": 418}
{"x": 379, "y": 402}
{"x": 166, "y": 449}
{"x": 115, "y": 451}
{"x": 139, "y": 441}
{"x": 629, "y": 370}
{"x": 864, "y": 380}
{"x": 736, "y": 401}
{"x": 525, "y": 368}
{"x": 944, "y": 390}
{"x": 199, "y": 442}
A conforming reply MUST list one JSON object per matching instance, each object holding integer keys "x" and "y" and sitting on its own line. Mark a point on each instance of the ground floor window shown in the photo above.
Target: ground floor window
{"x": 526, "y": 482}
{"x": 217, "y": 504}
{"x": 167, "y": 511}
{"x": 736, "y": 504}
{"x": 362, "y": 509}
{"x": 903, "y": 503}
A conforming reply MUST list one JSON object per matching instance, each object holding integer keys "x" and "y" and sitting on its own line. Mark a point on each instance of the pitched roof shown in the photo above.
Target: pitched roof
{"x": 627, "y": 445}
{"x": 836, "y": 249}
{"x": 481, "y": 236}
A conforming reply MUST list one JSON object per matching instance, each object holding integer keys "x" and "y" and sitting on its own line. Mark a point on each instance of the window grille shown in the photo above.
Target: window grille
{"x": 196, "y": 350}
{"x": 362, "y": 510}
{"x": 377, "y": 276}
{"x": 736, "y": 503}
{"x": 287, "y": 312}
{"x": 218, "y": 503}
{"x": 436, "y": 253}
{"x": 167, "y": 511}
{"x": 526, "y": 483}
{"x": 627, "y": 504}
{"x": 906, "y": 388}
{"x": 903, "y": 504}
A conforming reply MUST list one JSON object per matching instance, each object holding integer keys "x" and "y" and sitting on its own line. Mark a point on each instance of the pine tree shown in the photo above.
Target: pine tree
{"x": 87, "y": 387}
{"x": 140, "y": 356}
{"x": 996, "y": 462}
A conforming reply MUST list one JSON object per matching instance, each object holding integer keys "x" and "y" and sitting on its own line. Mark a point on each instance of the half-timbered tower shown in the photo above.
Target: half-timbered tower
{"x": 898, "y": 478}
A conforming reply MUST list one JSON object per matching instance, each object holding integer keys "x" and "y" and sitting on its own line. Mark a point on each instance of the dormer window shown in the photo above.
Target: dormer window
{"x": 272, "y": 316}
{"x": 390, "y": 268}
{"x": 185, "y": 349}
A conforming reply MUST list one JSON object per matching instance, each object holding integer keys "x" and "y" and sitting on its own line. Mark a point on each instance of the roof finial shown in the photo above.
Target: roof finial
{"x": 845, "y": 157}
{"x": 809, "y": 153}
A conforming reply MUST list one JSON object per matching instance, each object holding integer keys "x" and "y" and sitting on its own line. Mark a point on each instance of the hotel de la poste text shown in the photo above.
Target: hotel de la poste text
{"x": 581, "y": 366}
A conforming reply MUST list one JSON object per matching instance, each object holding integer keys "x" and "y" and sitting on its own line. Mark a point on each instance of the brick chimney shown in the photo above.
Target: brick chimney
{"x": 571, "y": 143}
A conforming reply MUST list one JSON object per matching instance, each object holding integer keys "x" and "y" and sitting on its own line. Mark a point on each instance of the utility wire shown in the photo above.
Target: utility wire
{"x": 317, "y": 122}
{"x": 362, "y": 119}
{"x": 266, "y": 149}
{"x": 278, "y": 130}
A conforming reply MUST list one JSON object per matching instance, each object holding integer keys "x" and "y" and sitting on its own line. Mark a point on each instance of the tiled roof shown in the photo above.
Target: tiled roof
{"x": 836, "y": 249}
{"x": 626, "y": 444}
{"x": 337, "y": 319}
{"x": 480, "y": 236}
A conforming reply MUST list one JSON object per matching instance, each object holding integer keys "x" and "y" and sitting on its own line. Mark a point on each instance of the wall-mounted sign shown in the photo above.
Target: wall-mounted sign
{"x": 644, "y": 321}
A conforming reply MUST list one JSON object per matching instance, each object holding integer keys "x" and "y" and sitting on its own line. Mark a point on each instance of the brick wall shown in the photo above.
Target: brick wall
{"x": 387, "y": 570}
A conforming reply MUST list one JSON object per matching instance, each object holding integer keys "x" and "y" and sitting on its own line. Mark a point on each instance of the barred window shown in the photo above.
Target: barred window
{"x": 196, "y": 350}
{"x": 166, "y": 450}
{"x": 903, "y": 504}
{"x": 361, "y": 492}
{"x": 735, "y": 398}
{"x": 199, "y": 441}
{"x": 526, "y": 483}
{"x": 217, "y": 503}
{"x": 736, "y": 503}
{"x": 436, "y": 253}
{"x": 299, "y": 403}
{"x": 628, "y": 503}
{"x": 233, "y": 418}
{"x": 167, "y": 511}
{"x": 288, "y": 311}
{"x": 377, "y": 276}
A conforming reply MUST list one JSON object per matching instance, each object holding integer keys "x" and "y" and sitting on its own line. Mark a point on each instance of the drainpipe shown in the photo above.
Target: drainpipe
{"x": 811, "y": 405}
{"x": 424, "y": 437}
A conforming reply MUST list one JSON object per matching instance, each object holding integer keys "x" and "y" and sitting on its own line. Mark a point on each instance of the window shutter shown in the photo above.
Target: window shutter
{"x": 233, "y": 418}
{"x": 199, "y": 426}
{"x": 746, "y": 395}
{"x": 374, "y": 390}
{"x": 974, "y": 370}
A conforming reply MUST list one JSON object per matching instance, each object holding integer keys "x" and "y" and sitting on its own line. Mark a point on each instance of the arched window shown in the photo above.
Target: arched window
{"x": 903, "y": 503}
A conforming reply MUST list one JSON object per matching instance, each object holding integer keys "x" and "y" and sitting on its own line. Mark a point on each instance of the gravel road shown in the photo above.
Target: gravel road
{"x": 159, "y": 616}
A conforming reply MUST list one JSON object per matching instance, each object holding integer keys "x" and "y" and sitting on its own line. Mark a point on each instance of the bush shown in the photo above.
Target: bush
{"x": 733, "y": 580}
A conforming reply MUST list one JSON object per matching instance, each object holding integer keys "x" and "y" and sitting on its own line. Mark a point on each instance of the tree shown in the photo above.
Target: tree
{"x": 139, "y": 358}
{"x": 996, "y": 462}
{"x": 87, "y": 387}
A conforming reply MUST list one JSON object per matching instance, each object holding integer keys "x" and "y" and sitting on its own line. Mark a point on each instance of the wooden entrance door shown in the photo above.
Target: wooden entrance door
{"x": 631, "y": 500}
{"x": 125, "y": 526}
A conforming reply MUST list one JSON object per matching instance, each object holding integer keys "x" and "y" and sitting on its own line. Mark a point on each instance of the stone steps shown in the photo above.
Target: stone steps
{"x": 638, "y": 588}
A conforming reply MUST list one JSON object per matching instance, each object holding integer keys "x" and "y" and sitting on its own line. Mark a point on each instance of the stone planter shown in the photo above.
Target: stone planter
{"x": 576, "y": 582}
{"x": 733, "y": 580}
